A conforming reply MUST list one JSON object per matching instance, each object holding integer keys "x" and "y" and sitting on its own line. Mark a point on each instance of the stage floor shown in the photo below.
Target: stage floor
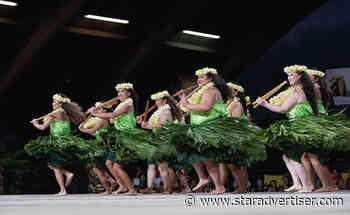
{"x": 251, "y": 203}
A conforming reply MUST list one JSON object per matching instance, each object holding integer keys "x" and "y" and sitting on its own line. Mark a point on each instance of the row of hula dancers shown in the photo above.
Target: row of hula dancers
{"x": 209, "y": 129}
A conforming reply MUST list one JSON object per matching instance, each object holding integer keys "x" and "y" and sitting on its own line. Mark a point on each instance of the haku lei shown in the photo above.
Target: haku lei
{"x": 154, "y": 119}
{"x": 196, "y": 97}
{"x": 127, "y": 101}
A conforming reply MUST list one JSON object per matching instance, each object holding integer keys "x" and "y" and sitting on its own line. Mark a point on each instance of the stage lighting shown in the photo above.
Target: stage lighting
{"x": 8, "y": 3}
{"x": 201, "y": 34}
{"x": 107, "y": 19}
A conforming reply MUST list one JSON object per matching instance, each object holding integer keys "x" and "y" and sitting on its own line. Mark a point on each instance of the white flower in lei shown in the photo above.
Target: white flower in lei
{"x": 156, "y": 115}
{"x": 229, "y": 104}
{"x": 92, "y": 122}
{"x": 282, "y": 96}
{"x": 196, "y": 97}
{"x": 55, "y": 111}
{"x": 127, "y": 101}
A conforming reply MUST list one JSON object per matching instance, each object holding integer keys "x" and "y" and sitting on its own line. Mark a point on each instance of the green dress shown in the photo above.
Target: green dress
{"x": 127, "y": 143}
{"x": 198, "y": 118}
{"x": 99, "y": 159}
{"x": 247, "y": 147}
{"x": 122, "y": 122}
{"x": 212, "y": 135}
{"x": 305, "y": 132}
{"x": 59, "y": 148}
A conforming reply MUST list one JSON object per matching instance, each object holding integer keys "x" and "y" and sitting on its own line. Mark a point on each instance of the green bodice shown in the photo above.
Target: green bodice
{"x": 302, "y": 109}
{"x": 98, "y": 133}
{"x": 243, "y": 116}
{"x": 60, "y": 128}
{"x": 218, "y": 110}
{"x": 125, "y": 121}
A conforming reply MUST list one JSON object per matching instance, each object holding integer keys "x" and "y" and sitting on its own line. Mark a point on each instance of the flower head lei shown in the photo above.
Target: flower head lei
{"x": 205, "y": 71}
{"x": 98, "y": 104}
{"x": 295, "y": 68}
{"x": 124, "y": 86}
{"x": 235, "y": 86}
{"x": 247, "y": 99}
{"x": 160, "y": 95}
{"x": 154, "y": 119}
{"x": 315, "y": 73}
{"x": 60, "y": 99}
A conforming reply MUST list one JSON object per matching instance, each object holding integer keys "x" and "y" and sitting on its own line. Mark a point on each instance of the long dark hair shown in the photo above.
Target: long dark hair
{"x": 242, "y": 96}
{"x": 135, "y": 98}
{"x": 174, "y": 109}
{"x": 73, "y": 110}
{"x": 326, "y": 94}
{"x": 309, "y": 90}
{"x": 221, "y": 85}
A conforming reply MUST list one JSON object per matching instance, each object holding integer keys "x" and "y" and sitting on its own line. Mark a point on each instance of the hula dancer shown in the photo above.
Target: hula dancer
{"x": 127, "y": 143}
{"x": 317, "y": 158}
{"x": 236, "y": 107}
{"x": 96, "y": 127}
{"x": 207, "y": 104}
{"x": 59, "y": 146}
{"x": 298, "y": 101}
{"x": 167, "y": 112}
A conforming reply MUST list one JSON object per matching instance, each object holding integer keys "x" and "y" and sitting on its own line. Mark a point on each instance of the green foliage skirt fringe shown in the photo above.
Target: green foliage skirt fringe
{"x": 229, "y": 138}
{"x": 130, "y": 145}
{"x": 59, "y": 150}
{"x": 295, "y": 136}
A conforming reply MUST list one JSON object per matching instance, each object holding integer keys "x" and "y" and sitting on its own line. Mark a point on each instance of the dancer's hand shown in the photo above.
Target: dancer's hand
{"x": 34, "y": 121}
{"x": 144, "y": 124}
{"x": 181, "y": 94}
{"x": 139, "y": 120}
{"x": 261, "y": 101}
{"x": 90, "y": 109}
{"x": 183, "y": 102}
{"x": 93, "y": 111}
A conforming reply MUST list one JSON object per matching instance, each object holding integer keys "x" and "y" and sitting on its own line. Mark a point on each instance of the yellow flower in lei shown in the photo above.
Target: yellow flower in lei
{"x": 295, "y": 68}
{"x": 236, "y": 87}
{"x": 156, "y": 115}
{"x": 205, "y": 71}
{"x": 160, "y": 95}
{"x": 55, "y": 111}
{"x": 127, "y": 101}
{"x": 282, "y": 96}
{"x": 124, "y": 86}
{"x": 92, "y": 122}
{"x": 315, "y": 73}
{"x": 196, "y": 97}
{"x": 60, "y": 99}
{"x": 229, "y": 104}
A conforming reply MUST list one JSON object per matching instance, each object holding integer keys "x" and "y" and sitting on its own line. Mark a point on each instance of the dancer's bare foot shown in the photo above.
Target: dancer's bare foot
{"x": 106, "y": 193}
{"x": 323, "y": 189}
{"x": 69, "y": 179}
{"x": 120, "y": 191}
{"x": 292, "y": 189}
{"x": 217, "y": 191}
{"x": 167, "y": 192}
{"x": 240, "y": 191}
{"x": 202, "y": 183}
{"x": 305, "y": 190}
{"x": 131, "y": 193}
{"x": 334, "y": 189}
{"x": 61, "y": 193}
{"x": 187, "y": 190}
{"x": 147, "y": 190}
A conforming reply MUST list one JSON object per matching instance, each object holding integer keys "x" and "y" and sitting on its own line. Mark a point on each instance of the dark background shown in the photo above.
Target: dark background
{"x": 44, "y": 50}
